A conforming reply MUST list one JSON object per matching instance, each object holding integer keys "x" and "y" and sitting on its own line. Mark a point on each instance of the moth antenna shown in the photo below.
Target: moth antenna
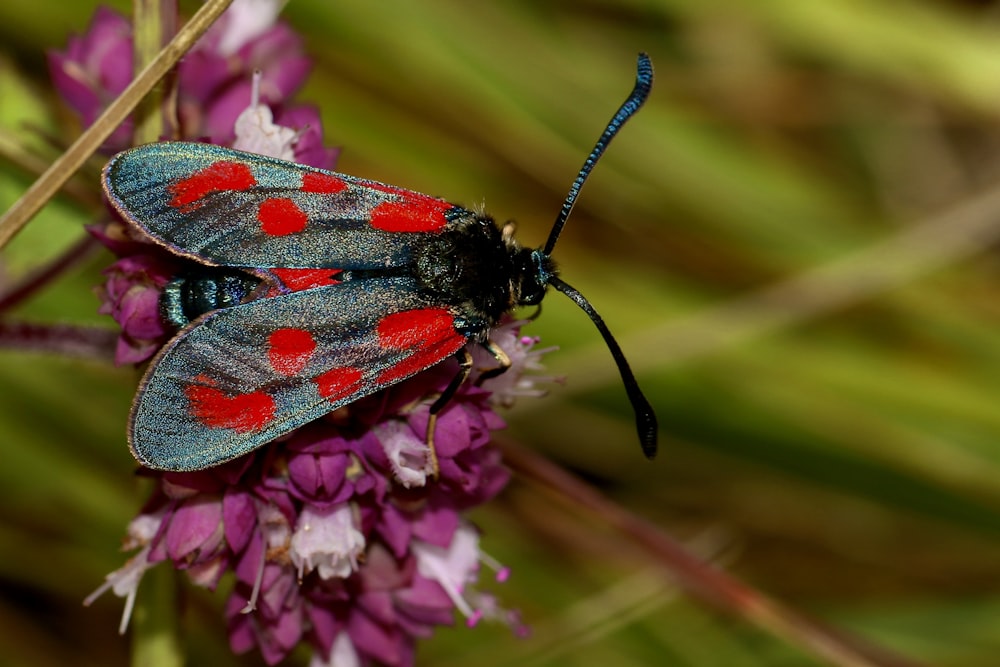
{"x": 643, "y": 84}
{"x": 645, "y": 419}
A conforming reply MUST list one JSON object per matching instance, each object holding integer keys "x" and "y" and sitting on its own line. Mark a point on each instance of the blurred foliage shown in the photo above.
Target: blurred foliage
{"x": 844, "y": 458}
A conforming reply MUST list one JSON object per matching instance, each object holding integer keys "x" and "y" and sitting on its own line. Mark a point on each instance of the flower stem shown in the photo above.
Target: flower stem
{"x": 154, "y": 623}
{"x": 72, "y": 341}
{"x": 45, "y": 275}
{"x": 153, "y": 22}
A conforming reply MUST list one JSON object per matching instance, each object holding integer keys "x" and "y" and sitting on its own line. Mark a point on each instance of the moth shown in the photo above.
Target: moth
{"x": 317, "y": 288}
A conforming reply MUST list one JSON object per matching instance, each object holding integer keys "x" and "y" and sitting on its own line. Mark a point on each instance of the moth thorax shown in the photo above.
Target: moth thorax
{"x": 469, "y": 267}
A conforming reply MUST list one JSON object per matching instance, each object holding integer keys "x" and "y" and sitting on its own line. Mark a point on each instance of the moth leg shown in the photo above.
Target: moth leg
{"x": 464, "y": 368}
{"x": 503, "y": 362}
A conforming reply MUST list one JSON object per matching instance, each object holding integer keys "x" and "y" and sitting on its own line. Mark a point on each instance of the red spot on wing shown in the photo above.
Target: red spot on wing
{"x": 414, "y": 214}
{"x": 410, "y": 328}
{"x": 290, "y": 350}
{"x": 224, "y": 175}
{"x": 244, "y": 413}
{"x": 338, "y": 383}
{"x": 429, "y": 333}
{"x": 297, "y": 280}
{"x": 280, "y": 216}
{"x": 322, "y": 183}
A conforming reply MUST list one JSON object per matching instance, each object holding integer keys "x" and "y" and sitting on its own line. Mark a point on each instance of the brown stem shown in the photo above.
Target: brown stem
{"x": 67, "y": 340}
{"x": 43, "y": 276}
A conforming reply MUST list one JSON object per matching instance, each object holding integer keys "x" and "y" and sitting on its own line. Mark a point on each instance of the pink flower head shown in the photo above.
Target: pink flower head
{"x": 338, "y": 535}
{"x": 215, "y": 79}
{"x": 131, "y": 295}
{"x": 343, "y": 535}
{"x": 298, "y": 136}
{"x": 95, "y": 68}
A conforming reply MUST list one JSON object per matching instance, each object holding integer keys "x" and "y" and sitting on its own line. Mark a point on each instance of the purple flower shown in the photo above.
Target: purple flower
{"x": 298, "y": 136}
{"x": 343, "y": 535}
{"x": 131, "y": 295}
{"x": 338, "y": 536}
{"x": 96, "y": 68}
{"x": 215, "y": 78}
{"x": 326, "y": 540}
{"x": 309, "y": 148}
{"x": 193, "y": 539}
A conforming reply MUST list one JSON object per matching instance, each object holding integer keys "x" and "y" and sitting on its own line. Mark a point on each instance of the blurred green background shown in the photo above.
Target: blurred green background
{"x": 794, "y": 242}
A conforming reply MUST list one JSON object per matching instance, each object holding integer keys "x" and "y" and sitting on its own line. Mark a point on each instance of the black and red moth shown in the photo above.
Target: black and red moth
{"x": 317, "y": 289}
